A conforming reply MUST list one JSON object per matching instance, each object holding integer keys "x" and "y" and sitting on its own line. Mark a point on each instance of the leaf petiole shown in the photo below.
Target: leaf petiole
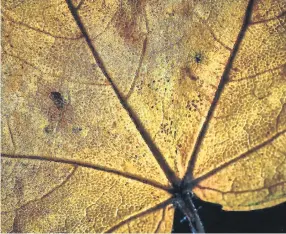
{"x": 187, "y": 207}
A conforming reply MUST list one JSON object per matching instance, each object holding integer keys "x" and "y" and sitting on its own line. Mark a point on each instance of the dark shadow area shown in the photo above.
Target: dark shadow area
{"x": 216, "y": 220}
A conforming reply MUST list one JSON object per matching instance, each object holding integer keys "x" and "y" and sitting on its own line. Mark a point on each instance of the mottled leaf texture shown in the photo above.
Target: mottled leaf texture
{"x": 112, "y": 109}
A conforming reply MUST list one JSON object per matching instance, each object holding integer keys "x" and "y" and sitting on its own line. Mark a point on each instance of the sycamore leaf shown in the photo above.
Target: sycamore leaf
{"x": 113, "y": 110}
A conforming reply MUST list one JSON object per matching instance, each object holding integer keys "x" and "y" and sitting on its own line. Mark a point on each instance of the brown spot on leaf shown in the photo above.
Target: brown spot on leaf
{"x": 55, "y": 103}
{"x": 186, "y": 72}
{"x": 76, "y": 129}
{"x": 284, "y": 71}
{"x": 48, "y": 129}
{"x": 19, "y": 187}
{"x": 130, "y": 21}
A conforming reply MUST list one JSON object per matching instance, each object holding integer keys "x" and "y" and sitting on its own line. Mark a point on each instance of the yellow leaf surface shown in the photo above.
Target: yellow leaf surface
{"x": 113, "y": 109}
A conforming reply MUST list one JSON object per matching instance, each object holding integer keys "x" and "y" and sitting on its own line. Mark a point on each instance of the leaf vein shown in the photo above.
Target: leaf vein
{"x": 241, "y": 156}
{"x": 224, "y": 79}
{"x": 140, "y": 214}
{"x": 171, "y": 176}
{"x": 92, "y": 166}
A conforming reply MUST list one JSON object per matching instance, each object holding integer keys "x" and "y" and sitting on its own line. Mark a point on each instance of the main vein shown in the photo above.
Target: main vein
{"x": 174, "y": 180}
{"x": 223, "y": 81}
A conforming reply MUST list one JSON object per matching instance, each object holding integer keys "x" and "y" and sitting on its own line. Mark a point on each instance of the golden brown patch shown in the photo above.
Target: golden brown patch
{"x": 130, "y": 22}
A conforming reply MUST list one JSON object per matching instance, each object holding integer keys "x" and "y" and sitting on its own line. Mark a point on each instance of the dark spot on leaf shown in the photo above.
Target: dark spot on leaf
{"x": 186, "y": 72}
{"x": 76, "y": 129}
{"x": 19, "y": 187}
{"x": 48, "y": 129}
{"x": 198, "y": 57}
{"x": 57, "y": 99}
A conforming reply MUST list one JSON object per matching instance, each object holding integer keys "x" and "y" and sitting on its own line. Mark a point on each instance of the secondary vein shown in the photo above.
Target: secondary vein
{"x": 239, "y": 157}
{"x": 92, "y": 166}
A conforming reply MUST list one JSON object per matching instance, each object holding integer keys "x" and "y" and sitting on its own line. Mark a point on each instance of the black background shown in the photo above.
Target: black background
{"x": 215, "y": 219}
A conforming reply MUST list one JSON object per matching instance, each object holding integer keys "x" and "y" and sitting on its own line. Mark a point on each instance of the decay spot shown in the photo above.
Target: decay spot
{"x": 76, "y": 129}
{"x": 187, "y": 72}
{"x": 57, "y": 99}
{"x": 19, "y": 187}
{"x": 130, "y": 22}
{"x": 48, "y": 129}
{"x": 198, "y": 57}
{"x": 55, "y": 103}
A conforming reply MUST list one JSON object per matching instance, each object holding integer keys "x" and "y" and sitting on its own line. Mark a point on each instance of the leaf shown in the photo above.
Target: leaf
{"x": 114, "y": 110}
